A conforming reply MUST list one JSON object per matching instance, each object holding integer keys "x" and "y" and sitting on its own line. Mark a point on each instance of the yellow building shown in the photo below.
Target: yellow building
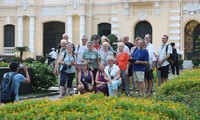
{"x": 39, "y": 24}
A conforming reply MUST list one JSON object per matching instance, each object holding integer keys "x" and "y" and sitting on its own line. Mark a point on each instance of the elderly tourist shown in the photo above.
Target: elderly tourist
{"x": 105, "y": 53}
{"x": 122, "y": 61}
{"x": 80, "y": 49}
{"x": 101, "y": 83}
{"x": 141, "y": 58}
{"x": 67, "y": 62}
{"x": 85, "y": 79}
{"x": 126, "y": 49}
{"x": 105, "y": 39}
{"x": 149, "y": 67}
{"x": 112, "y": 76}
{"x": 91, "y": 57}
{"x": 66, "y": 37}
{"x": 149, "y": 71}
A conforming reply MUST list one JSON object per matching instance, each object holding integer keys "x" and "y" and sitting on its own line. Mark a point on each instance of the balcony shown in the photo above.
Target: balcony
{"x": 8, "y": 50}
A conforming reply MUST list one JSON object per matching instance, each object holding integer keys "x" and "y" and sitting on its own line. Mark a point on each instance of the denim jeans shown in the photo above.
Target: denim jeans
{"x": 114, "y": 86}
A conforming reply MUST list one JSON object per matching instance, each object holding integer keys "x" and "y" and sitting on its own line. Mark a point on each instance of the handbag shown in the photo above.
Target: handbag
{"x": 64, "y": 67}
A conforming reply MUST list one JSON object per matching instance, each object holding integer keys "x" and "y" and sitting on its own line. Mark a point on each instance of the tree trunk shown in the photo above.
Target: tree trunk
{"x": 21, "y": 54}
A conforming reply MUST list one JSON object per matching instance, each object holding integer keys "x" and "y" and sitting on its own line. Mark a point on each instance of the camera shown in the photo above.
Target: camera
{"x": 21, "y": 66}
{"x": 111, "y": 77}
{"x": 69, "y": 66}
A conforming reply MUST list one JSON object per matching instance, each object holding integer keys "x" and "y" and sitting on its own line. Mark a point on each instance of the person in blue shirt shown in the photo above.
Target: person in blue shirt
{"x": 141, "y": 57}
{"x": 18, "y": 78}
{"x": 67, "y": 62}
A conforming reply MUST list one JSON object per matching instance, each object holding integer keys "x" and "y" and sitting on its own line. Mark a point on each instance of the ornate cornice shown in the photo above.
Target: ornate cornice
{"x": 191, "y": 8}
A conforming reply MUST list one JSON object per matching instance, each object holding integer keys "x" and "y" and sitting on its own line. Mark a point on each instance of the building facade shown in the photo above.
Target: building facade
{"x": 39, "y": 24}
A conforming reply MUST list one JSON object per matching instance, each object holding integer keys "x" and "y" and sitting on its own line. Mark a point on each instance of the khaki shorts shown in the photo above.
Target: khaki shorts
{"x": 138, "y": 76}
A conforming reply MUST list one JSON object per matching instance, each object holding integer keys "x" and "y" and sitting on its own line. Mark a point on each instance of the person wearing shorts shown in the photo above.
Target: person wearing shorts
{"x": 163, "y": 55}
{"x": 141, "y": 58}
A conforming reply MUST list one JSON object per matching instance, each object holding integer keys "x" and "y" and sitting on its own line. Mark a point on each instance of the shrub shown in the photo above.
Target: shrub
{"x": 4, "y": 64}
{"x": 16, "y": 59}
{"x": 29, "y": 60}
{"x": 183, "y": 89}
{"x": 96, "y": 106}
{"x": 43, "y": 76}
{"x": 42, "y": 59}
{"x": 196, "y": 61}
{"x": 113, "y": 38}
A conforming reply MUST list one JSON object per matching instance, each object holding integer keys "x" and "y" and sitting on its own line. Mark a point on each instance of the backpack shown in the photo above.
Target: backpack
{"x": 170, "y": 59}
{"x": 7, "y": 90}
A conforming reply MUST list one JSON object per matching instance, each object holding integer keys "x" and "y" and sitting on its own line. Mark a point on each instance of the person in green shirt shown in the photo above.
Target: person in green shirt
{"x": 91, "y": 57}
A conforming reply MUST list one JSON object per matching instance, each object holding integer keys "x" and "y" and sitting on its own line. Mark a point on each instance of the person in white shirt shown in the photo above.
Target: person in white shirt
{"x": 126, "y": 49}
{"x": 163, "y": 54}
{"x": 52, "y": 54}
{"x": 80, "y": 49}
{"x": 149, "y": 46}
{"x": 152, "y": 59}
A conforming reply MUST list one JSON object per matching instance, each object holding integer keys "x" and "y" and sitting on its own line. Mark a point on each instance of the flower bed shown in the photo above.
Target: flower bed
{"x": 96, "y": 106}
{"x": 184, "y": 89}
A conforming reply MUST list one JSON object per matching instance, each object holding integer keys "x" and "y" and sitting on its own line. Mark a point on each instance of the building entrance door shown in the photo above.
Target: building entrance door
{"x": 52, "y": 34}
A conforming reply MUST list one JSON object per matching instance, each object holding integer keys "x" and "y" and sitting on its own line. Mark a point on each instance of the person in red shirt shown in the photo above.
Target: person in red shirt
{"x": 96, "y": 46}
{"x": 122, "y": 61}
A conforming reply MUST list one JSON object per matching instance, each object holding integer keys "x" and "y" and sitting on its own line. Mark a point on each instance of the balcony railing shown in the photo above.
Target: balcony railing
{"x": 8, "y": 50}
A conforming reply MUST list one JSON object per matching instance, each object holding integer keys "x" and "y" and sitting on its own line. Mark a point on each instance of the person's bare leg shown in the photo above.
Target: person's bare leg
{"x": 115, "y": 93}
{"x": 61, "y": 91}
{"x": 139, "y": 88}
{"x": 143, "y": 88}
{"x": 162, "y": 80}
{"x": 67, "y": 90}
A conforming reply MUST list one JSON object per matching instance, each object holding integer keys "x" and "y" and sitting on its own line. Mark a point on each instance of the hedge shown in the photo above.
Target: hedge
{"x": 96, "y": 106}
{"x": 184, "y": 89}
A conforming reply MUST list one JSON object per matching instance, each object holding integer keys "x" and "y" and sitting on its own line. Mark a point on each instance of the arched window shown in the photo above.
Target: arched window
{"x": 142, "y": 28}
{"x": 9, "y": 36}
{"x": 192, "y": 31}
{"x": 104, "y": 29}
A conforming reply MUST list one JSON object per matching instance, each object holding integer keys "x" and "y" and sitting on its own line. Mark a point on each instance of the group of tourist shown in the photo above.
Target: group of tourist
{"x": 99, "y": 68}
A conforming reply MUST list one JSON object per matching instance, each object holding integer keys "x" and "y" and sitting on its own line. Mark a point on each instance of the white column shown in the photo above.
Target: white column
{"x": 32, "y": 34}
{"x": 82, "y": 26}
{"x": 69, "y": 28}
{"x": 20, "y": 31}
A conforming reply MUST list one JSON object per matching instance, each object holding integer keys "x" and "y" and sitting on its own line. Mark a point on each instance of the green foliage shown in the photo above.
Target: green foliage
{"x": 92, "y": 37}
{"x": 16, "y": 59}
{"x": 184, "y": 89}
{"x": 197, "y": 45}
{"x": 29, "y": 60}
{"x": 42, "y": 59}
{"x": 113, "y": 38}
{"x": 4, "y": 64}
{"x": 196, "y": 61}
{"x": 43, "y": 76}
{"x": 21, "y": 50}
{"x": 180, "y": 62}
{"x": 96, "y": 107}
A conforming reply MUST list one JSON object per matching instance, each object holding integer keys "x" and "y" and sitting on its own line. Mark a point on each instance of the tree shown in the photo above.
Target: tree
{"x": 21, "y": 50}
